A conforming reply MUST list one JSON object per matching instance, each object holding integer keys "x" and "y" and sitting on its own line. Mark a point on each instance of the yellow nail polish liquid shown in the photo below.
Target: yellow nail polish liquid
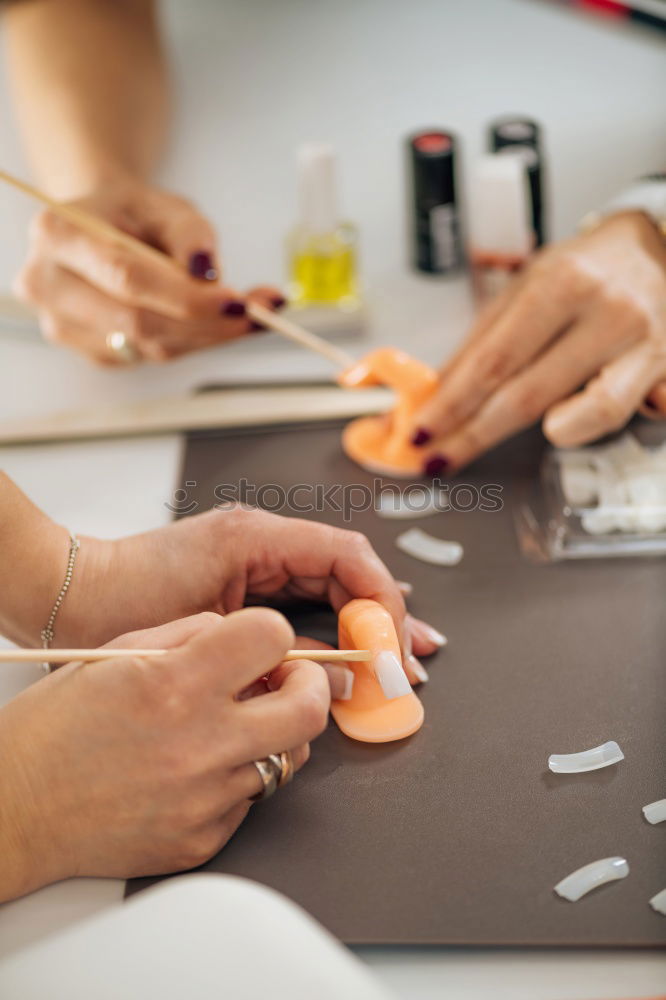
{"x": 322, "y": 251}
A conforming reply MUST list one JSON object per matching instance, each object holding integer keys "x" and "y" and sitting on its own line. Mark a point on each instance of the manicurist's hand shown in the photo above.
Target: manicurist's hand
{"x": 221, "y": 560}
{"x": 86, "y": 288}
{"x": 143, "y": 765}
{"x": 579, "y": 340}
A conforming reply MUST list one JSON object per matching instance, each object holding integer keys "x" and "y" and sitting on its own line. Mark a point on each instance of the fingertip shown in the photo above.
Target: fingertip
{"x": 268, "y": 298}
{"x": 415, "y": 669}
{"x": 201, "y": 265}
{"x": 559, "y": 429}
{"x": 341, "y": 681}
{"x": 270, "y": 623}
{"x": 437, "y": 465}
{"x": 233, "y": 309}
{"x": 426, "y": 638}
{"x": 421, "y": 437}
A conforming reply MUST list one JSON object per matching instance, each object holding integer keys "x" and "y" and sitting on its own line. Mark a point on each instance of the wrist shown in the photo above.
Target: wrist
{"x": 107, "y": 179}
{"x": 85, "y": 619}
{"x": 33, "y": 559}
{"x": 29, "y": 857}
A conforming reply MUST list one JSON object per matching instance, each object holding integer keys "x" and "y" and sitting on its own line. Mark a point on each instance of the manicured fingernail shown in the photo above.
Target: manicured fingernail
{"x": 435, "y": 466}
{"x": 200, "y": 265}
{"x": 434, "y": 635}
{"x": 277, "y": 301}
{"x": 428, "y": 632}
{"x": 404, "y": 587}
{"x": 392, "y": 678}
{"x": 418, "y": 670}
{"x": 421, "y": 436}
{"x": 415, "y": 626}
{"x": 232, "y": 308}
{"x": 256, "y": 327}
{"x": 341, "y": 681}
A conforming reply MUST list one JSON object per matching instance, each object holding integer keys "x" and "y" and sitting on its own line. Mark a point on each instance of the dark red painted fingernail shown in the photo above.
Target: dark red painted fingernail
{"x": 200, "y": 265}
{"x": 421, "y": 436}
{"x": 256, "y": 327}
{"x": 233, "y": 308}
{"x": 277, "y": 301}
{"x": 436, "y": 465}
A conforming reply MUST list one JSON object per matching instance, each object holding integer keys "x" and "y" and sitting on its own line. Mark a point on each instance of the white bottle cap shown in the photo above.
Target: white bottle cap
{"x": 317, "y": 188}
{"x": 500, "y": 206}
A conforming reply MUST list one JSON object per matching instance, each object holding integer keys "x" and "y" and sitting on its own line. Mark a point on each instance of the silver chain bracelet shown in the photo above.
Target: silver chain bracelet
{"x": 47, "y": 634}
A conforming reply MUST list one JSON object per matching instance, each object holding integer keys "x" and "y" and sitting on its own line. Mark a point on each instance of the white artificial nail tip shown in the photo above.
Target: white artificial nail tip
{"x": 349, "y": 685}
{"x": 658, "y": 902}
{"x": 586, "y": 760}
{"x": 418, "y": 670}
{"x": 420, "y": 501}
{"x": 341, "y": 680}
{"x": 423, "y": 546}
{"x": 579, "y": 484}
{"x": 589, "y": 877}
{"x": 392, "y": 678}
{"x": 655, "y": 812}
{"x": 435, "y": 636}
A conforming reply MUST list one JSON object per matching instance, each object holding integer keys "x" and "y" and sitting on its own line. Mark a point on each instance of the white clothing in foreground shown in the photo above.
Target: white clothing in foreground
{"x": 196, "y": 936}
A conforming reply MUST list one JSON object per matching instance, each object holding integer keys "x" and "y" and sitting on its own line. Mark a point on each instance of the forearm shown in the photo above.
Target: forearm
{"x": 90, "y": 88}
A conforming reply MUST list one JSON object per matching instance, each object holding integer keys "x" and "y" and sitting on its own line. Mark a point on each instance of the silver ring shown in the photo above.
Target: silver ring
{"x": 269, "y": 776}
{"x": 120, "y": 348}
{"x": 284, "y": 762}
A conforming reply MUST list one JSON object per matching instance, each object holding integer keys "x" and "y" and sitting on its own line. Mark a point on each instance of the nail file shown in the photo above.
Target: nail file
{"x": 368, "y": 716}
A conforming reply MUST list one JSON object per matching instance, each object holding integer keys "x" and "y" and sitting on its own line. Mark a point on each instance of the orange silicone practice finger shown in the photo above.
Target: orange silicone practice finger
{"x": 368, "y": 715}
{"x": 382, "y": 443}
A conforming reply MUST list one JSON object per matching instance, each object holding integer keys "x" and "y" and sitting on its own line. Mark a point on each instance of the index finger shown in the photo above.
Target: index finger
{"x": 292, "y": 713}
{"x": 166, "y": 636}
{"x": 532, "y": 317}
{"x": 355, "y": 569}
{"x": 226, "y": 658}
{"x": 141, "y": 279}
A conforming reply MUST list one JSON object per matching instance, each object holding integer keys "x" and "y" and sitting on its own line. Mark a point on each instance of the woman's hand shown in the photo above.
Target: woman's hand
{"x": 579, "y": 340}
{"x": 220, "y": 560}
{"x": 142, "y": 766}
{"x": 85, "y": 288}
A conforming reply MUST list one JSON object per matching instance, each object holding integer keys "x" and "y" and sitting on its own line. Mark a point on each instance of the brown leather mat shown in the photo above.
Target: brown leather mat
{"x": 457, "y": 835}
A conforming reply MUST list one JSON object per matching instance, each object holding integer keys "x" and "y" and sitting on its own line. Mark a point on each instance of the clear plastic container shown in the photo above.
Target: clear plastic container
{"x": 605, "y": 500}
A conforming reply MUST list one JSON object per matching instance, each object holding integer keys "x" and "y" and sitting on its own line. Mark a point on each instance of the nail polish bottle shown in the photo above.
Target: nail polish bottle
{"x": 322, "y": 249}
{"x": 435, "y": 223}
{"x": 513, "y": 134}
{"x": 501, "y": 237}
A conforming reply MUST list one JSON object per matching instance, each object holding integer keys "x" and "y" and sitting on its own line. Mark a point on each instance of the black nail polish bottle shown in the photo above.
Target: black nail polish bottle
{"x": 435, "y": 222}
{"x": 518, "y": 134}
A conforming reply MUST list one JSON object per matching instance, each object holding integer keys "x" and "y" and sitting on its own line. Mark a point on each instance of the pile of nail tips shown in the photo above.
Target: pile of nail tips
{"x": 616, "y": 487}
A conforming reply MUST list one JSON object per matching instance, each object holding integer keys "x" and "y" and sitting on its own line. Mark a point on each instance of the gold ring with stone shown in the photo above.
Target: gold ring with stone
{"x": 121, "y": 349}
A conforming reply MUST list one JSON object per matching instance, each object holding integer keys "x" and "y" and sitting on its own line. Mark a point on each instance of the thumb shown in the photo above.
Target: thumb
{"x": 178, "y": 228}
{"x": 235, "y": 651}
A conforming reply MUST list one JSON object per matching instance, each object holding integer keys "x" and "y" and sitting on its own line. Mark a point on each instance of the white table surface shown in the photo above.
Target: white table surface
{"x": 362, "y": 73}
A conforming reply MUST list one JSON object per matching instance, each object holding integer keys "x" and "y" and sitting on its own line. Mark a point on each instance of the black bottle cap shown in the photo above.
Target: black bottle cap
{"x": 514, "y": 130}
{"x": 433, "y": 167}
{"x": 524, "y": 135}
